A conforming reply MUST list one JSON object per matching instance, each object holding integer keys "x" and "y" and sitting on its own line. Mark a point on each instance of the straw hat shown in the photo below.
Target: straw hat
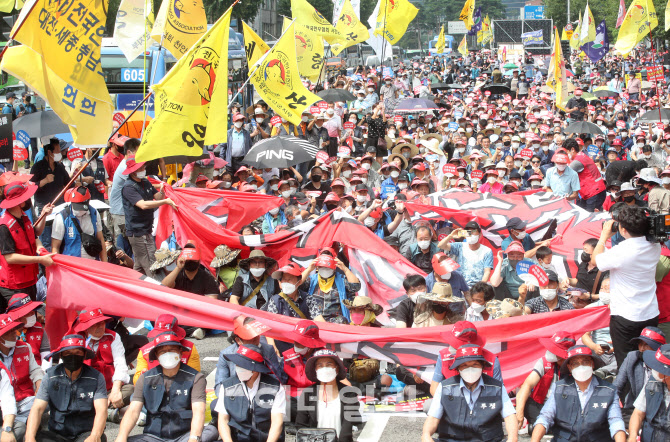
{"x": 223, "y": 255}
{"x": 164, "y": 257}
{"x": 443, "y": 293}
{"x": 366, "y": 303}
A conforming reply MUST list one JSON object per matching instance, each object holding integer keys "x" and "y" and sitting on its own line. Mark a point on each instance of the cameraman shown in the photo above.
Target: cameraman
{"x": 632, "y": 266}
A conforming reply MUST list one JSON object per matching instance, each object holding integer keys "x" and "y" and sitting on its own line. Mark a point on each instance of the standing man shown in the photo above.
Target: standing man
{"x": 140, "y": 200}
{"x": 76, "y": 396}
{"x": 114, "y": 156}
{"x": 239, "y": 143}
{"x": 633, "y": 88}
{"x": 75, "y": 227}
{"x": 576, "y": 107}
{"x": 8, "y": 108}
{"x": 592, "y": 187}
{"x": 475, "y": 259}
{"x": 116, "y": 213}
{"x": 562, "y": 180}
{"x": 651, "y": 410}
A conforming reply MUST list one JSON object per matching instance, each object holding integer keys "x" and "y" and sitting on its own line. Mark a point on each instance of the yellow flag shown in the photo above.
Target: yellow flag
{"x": 62, "y": 63}
{"x": 7, "y": 6}
{"x": 393, "y": 18}
{"x": 309, "y": 51}
{"x": 350, "y": 27}
{"x": 588, "y": 31}
{"x": 466, "y": 14}
{"x": 556, "y": 77}
{"x": 463, "y": 47}
{"x": 574, "y": 40}
{"x": 254, "y": 46}
{"x": 667, "y": 16}
{"x": 179, "y": 25}
{"x": 439, "y": 46}
{"x": 132, "y": 29}
{"x": 634, "y": 27}
{"x": 487, "y": 35}
{"x": 191, "y": 100}
{"x": 278, "y": 83}
{"x": 307, "y": 16}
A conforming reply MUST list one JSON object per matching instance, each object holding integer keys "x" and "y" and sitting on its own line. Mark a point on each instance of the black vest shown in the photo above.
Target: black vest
{"x": 482, "y": 423}
{"x": 574, "y": 425}
{"x": 250, "y": 422}
{"x": 169, "y": 413}
{"x": 98, "y": 175}
{"x": 71, "y": 403}
{"x": 656, "y": 426}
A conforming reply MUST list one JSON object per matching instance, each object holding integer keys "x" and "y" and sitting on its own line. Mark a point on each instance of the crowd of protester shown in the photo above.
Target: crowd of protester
{"x": 595, "y": 386}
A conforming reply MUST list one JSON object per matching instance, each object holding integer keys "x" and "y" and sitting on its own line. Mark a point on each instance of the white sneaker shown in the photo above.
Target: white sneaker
{"x": 142, "y": 421}
{"x": 198, "y": 334}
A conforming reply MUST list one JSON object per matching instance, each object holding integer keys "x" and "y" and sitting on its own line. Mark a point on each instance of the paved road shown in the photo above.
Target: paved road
{"x": 380, "y": 427}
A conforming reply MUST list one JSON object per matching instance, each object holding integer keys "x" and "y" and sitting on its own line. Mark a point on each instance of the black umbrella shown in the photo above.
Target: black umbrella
{"x": 651, "y": 116}
{"x": 41, "y": 124}
{"x": 415, "y": 105}
{"x": 438, "y": 86}
{"x": 583, "y": 127}
{"x": 497, "y": 88}
{"x": 334, "y": 95}
{"x": 281, "y": 152}
{"x": 604, "y": 93}
{"x": 455, "y": 86}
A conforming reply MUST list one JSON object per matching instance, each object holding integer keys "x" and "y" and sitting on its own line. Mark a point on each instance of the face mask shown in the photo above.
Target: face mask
{"x": 305, "y": 119}
{"x": 298, "y": 217}
{"x": 79, "y": 213}
{"x": 402, "y": 186}
{"x": 468, "y": 129}
{"x": 424, "y": 245}
{"x": 522, "y": 135}
{"x": 561, "y": 167}
{"x": 369, "y": 221}
{"x": 461, "y": 149}
{"x": 521, "y": 235}
{"x": 301, "y": 350}
{"x": 238, "y": 124}
{"x": 326, "y": 374}
{"x": 257, "y": 272}
{"x": 629, "y": 198}
{"x": 73, "y": 362}
{"x": 361, "y": 198}
{"x": 287, "y": 287}
{"x": 586, "y": 257}
{"x": 501, "y": 173}
{"x": 604, "y": 297}
{"x": 371, "y": 89}
{"x": 477, "y": 308}
{"x": 395, "y": 174}
{"x": 470, "y": 374}
{"x": 326, "y": 273}
{"x": 656, "y": 375}
{"x": 515, "y": 145}
{"x": 624, "y": 134}
{"x": 357, "y": 318}
{"x": 665, "y": 180}
{"x": 293, "y": 190}
{"x": 31, "y": 321}
{"x": 227, "y": 184}
{"x": 557, "y": 124}
{"x": 416, "y": 295}
{"x": 58, "y": 157}
{"x": 243, "y": 374}
{"x": 141, "y": 174}
{"x": 259, "y": 120}
{"x": 533, "y": 125}
{"x": 286, "y": 193}
{"x": 439, "y": 309}
{"x": 9, "y": 344}
{"x": 474, "y": 239}
{"x": 316, "y": 178}
{"x": 491, "y": 180}
{"x": 191, "y": 266}
{"x": 169, "y": 360}
{"x": 517, "y": 164}
{"x": 346, "y": 173}
{"x": 599, "y": 122}
{"x": 549, "y": 356}
{"x": 582, "y": 373}
{"x": 548, "y": 294}
{"x": 535, "y": 183}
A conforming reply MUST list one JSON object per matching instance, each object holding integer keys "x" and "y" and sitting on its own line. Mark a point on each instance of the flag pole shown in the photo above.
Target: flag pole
{"x": 384, "y": 40}
{"x": 81, "y": 169}
{"x": 151, "y": 80}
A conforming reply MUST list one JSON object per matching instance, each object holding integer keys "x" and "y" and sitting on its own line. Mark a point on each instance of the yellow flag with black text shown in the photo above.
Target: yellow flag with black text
{"x": 640, "y": 19}
{"x": 467, "y": 13}
{"x": 192, "y": 99}
{"x": 60, "y": 60}
{"x": 278, "y": 83}
{"x": 556, "y": 76}
{"x": 463, "y": 47}
{"x": 254, "y": 46}
{"x": 439, "y": 46}
{"x": 305, "y": 15}
{"x": 179, "y": 24}
{"x": 393, "y": 18}
{"x": 350, "y": 27}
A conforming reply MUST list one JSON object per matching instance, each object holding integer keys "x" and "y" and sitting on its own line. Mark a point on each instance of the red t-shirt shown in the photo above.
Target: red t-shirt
{"x": 111, "y": 162}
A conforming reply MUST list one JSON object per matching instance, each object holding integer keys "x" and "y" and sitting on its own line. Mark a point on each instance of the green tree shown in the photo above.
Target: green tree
{"x": 245, "y": 10}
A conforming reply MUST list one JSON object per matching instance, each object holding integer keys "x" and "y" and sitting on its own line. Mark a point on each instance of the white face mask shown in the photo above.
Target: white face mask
{"x": 259, "y": 120}
{"x": 346, "y": 173}
{"x": 243, "y": 374}
{"x": 624, "y": 134}
{"x": 257, "y": 272}
{"x": 141, "y": 174}
{"x": 325, "y": 272}
{"x": 423, "y": 245}
{"x": 656, "y": 375}
{"x": 287, "y": 288}
{"x": 548, "y": 294}
{"x": 227, "y": 184}
{"x": 79, "y": 213}
{"x": 365, "y": 166}
{"x": 549, "y": 356}
{"x": 517, "y": 164}
{"x": 533, "y": 125}
{"x": 395, "y": 174}
{"x": 305, "y": 119}
{"x": 303, "y": 206}
{"x": 474, "y": 239}
{"x": 582, "y": 373}
{"x": 293, "y": 190}
{"x": 515, "y": 145}
{"x": 349, "y": 209}
{"x": 640, "y": 145}
{"x": 477, "y": 308}
{"x": 491, "y": 180}
{"x": 274, "y": 211}
{"x": 599, "y": 122}
{"x": 415, "y": 296}
{"x": 298, "y": 217}
{"x": 402, "y": 186}
{"x": 9, "y": 344}
{"x": 286, "y": 193}
{"x": 535, "y": 183}
{"x": 58, "y": 157}
{"x": 371, "y": 89}
{"x": 361, "y": 198}
{"x": 521, "y": 235}
{"x": 604, "y": 297}
{"x": 561, "y": 167}
{"x": 365, "y": 180}
{"x": 238, "y": 124}
{"x": 31, "y": 321}
{"x": 369, "y": 221}
{"x": 501, "y": 173}
{"x": 274, "y": 187}
{"x": 470, "y": 374}
{"x": 353, "y": 120}
{"x": 301, "y": 350}
{"x": 169, "y": 360}
{"x": 326, "y": 374}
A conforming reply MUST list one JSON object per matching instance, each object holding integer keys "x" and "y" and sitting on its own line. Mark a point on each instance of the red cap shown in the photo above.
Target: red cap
{"x": 248, "y": 331}
{"x": 88, "y": 319}
{"x": 238, "y": 117}
{"x": 560, "y": 158}
{"x": 326, "y": 261}
{"x": 77, "y": 195}
{"x": 441, "y": 265}
{"x": 515, "y": 246}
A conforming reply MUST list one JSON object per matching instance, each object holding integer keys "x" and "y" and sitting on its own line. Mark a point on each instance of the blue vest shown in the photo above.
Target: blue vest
{"x": 71, "y": 244}
{"x": 71, "y": 404}
{"x": 574, "y": 425}
{"x": 339, "y": 284}
{"x": 250, "y": 422}
{"x": 483, "y": 423}
{"x": 266, "y": 291}
{"x": 656, "y": 424}
{"x": 269, "y": 219}
{"x": 169, "y": 413}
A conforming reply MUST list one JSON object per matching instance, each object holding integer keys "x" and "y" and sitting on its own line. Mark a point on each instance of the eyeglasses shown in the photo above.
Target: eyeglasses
{"x": 535, "y": 162}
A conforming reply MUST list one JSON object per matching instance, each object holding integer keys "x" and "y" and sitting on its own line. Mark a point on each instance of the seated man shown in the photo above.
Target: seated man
{"x": 174, "y": 397}
{"x": 600, "y": 340}
{"x": 445, "y": 269}
{"x": 21, "y": 376}
{"x": 505, "y": 277}
{"x": 475, "y": 259}
{"x": 421, "y": 252}
{"x": 289, "y": 302}
{"x": 254, "y": 286}
{"x": 23, "y": 310}
{"x": 633, "y": 373}
{"x": 547, "y": 370}
{"x": 580, "y": 406}
{"x": 548, "y": 301}
{"x": 75, "y": 394}
{"x": 439, "y": 307}
{"x": 252, "y": 402}
{"x": 480, "y": 296}
{"x": 651, "y": 412}
{"x": 415, "y": 287}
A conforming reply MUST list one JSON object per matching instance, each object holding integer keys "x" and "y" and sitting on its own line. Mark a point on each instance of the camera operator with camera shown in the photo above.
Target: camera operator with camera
{"x": 632, "y": 266}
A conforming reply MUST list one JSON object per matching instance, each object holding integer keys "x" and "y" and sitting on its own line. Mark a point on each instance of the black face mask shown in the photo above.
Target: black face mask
{"x": 439, "y": 308}
{"x": 316, "y": 178}
{"x": 191, "y": 266}
{"x": 628, "y": 199}
{"x": 73, "y": 362}
{"x": 586, "y": 257}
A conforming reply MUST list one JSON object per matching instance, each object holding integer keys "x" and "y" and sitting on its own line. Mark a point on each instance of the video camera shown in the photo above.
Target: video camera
{"x": 659, "y": 227}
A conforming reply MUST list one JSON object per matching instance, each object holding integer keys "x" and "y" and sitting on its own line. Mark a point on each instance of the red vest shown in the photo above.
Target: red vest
{"x": 663, "y": 294}
{"x": 294, "y": 367}
{"x": 34, "y": 337}
{"x": 13, "y": 276}
{"x": 19, "y": 376}
{"x": 447, "y": 359}
{"x": 591, "y": 182}
{"x": 185, "y": 356}
{"x": 104, "y": 360}
{"x": 540, "y": 391}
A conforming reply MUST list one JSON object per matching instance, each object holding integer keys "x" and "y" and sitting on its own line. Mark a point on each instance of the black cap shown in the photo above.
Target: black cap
{"x": 473, "y": 225}
{"x": 252, "y": 179}
{"x": 403, "y": 176}
{"x": 516, "y": 224}
{"x": 299, "y": 196}
{"x": 514, "y": 174}
{"x": 392, "y": 241}
{"x": 615, "y": 183}
{"x": 551, "y": 275}
{"x": 10, "y": 95}
{"x": 361, "y": 187}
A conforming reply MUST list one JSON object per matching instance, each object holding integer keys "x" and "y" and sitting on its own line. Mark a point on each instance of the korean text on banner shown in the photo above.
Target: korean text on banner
{"x": 179, "y": 25}
{"x": 132, "y": 29}
{"x": 350, "y": 27}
